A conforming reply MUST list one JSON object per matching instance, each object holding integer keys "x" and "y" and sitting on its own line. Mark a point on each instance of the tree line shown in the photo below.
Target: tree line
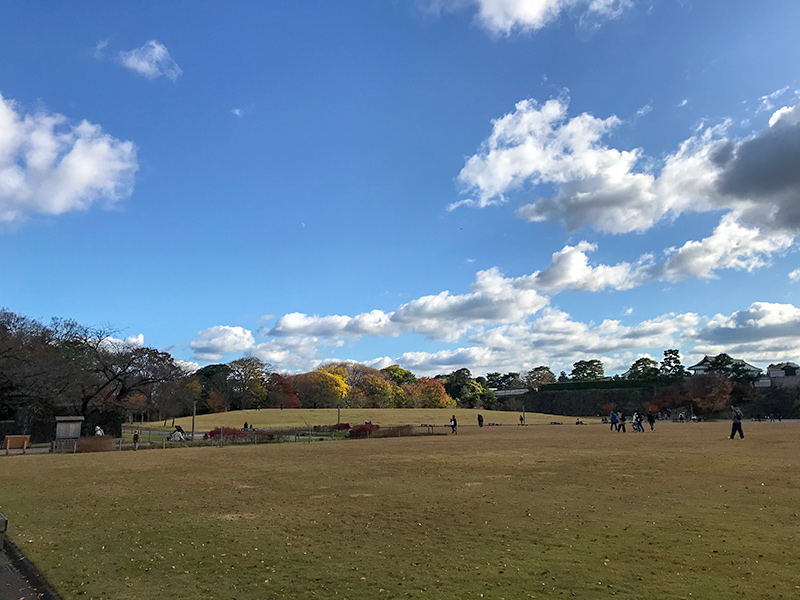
{"x": 64, "y": 368}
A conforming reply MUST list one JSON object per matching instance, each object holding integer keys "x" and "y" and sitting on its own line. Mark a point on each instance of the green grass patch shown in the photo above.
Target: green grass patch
{"x": 498, "y": 512}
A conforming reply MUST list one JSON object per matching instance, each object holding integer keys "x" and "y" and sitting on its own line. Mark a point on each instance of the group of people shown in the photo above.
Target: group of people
{"x": 637, "y": 422}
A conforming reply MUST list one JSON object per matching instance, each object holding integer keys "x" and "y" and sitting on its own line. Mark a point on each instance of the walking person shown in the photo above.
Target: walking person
{"x": 454, "y": 424}
{"x": 613, "y": 421}
{"x": 480, "y": 420}
{"x": 621, "y": 424}
{"x": 651, "y": 418}
{"x": 737, "y": 422}
{"x": 635, "y": 421}
{"x": 136, "y": 440}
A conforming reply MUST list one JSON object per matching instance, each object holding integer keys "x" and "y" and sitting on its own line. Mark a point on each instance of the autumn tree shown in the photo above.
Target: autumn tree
{"x": 216, "y": 379}
{"x": 320, "y": 389}
{"x": 280, "y": 392}
{"x": 399, "y": 375}
{"x": 247, "y": 377}
{"x": 376, "y": 391}
{"x": 426, "y": 392}
{"x": 179, "y": 398}
{"x": 710, "y": 392}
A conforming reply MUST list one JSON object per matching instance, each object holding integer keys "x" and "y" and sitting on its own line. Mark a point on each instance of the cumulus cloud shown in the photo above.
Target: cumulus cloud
{"x": 117, "y": 345}
{"x": 761, "y": 175}
{"x": 504, "y": 17}
{"x": 293, "y": 353}
{"x": 795, "y": 275}
{"x": 554, "y": 338}
{"x": 151, "y": 60}
{"x": 754, "y": 182}
{"x": 49, "y": 166}
{"x": 215, "y": 341}
{"x": 570, "y": 269}
{"x": 764, "y": 331}
{"x": 187, "y": 366}
{"x": 597, "y": 185}
{"x": 444, "y": 316}
{"x": 731, "y": 246}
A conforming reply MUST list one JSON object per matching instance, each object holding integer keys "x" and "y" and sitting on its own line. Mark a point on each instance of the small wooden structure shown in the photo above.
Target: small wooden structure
{"x": 68, "y": 431}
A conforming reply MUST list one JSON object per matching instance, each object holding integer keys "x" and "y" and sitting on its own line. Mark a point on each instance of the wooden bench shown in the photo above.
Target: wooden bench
{"x": 17, "y": 442}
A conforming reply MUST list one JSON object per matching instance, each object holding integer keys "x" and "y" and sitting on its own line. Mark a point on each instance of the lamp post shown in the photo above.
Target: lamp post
{"x": 194, "y": 413}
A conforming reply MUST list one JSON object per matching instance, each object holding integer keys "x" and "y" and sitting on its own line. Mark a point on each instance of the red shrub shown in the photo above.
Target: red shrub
{"x": 362, "y": 431}
{"x": 226, "y": 432}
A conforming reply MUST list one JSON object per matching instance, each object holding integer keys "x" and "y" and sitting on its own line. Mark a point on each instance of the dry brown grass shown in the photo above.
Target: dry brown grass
{"x": 307, "y": 417}
{"x": 507, "y": 512}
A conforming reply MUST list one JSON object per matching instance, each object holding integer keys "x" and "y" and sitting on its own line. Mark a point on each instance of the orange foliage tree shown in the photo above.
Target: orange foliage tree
{"x": 427, "y": 392}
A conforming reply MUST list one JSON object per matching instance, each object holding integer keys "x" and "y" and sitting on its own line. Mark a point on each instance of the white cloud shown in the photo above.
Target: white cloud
{"x": 767, "y": 102}
{"x": 187, "y": 367}
{"x": 683, "y": 103}
{"x": 503, "y": 17}
{"x": 237, "y": 111}
{"x": 570, "y": 269}
{"x": 597, "y": 185}
{"x": 754, "y": 182}
{"x": 49, "y": 167}
{"x": 151, "y": 60}
{"x": 765, "y": 331}
{"x": 215, "y": 341}
{"x": 444, "y": 316}
{"x": 555, "y": 339}
{"x": 117, "y": 345}
{"x": 99, "y": 48}
{"x": 795, "y": 275}
{"x": 136, "y": 341}
{"x": 731, "y": 246}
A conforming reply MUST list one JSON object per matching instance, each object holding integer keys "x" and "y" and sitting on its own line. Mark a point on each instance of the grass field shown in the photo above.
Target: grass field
{"x": 276, "y": 419}
{"x": 500, "y": 512}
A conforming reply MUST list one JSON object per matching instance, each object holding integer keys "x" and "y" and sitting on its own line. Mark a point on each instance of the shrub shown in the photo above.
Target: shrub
{"x": 362, "y": 431}
{"x": 98, "y": 443}
{"x": 328, "y": 428}
{"x": 397, "y": 431}
{"x": 228, "y": 432}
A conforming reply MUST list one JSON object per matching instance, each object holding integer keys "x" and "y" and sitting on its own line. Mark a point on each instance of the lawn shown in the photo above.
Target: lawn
{"x": 276, "y": 419}
{"x": 499, "y": 512}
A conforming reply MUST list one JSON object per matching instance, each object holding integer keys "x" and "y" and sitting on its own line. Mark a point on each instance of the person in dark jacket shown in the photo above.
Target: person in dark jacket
{"x": 737, "y": 422}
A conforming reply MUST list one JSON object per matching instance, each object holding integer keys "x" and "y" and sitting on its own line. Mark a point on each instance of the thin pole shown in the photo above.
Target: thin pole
{"x": 194, "y": 413}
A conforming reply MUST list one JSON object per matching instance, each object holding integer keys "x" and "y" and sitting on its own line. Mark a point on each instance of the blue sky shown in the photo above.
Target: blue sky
{"x": 490, "y": 184}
